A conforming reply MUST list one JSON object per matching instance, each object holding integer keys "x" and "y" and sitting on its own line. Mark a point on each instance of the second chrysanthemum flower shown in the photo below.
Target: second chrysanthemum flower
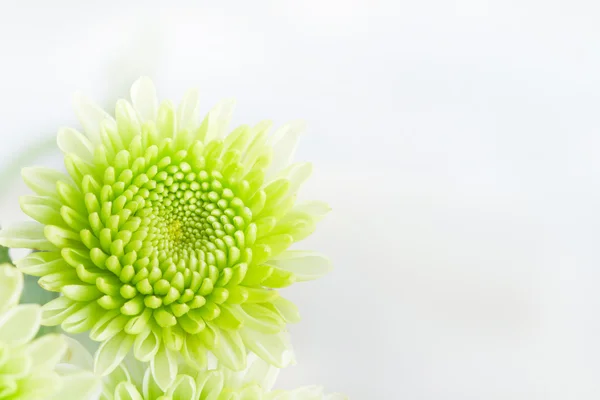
{"x": 169, "y": 237}
{"x": 31, "y": 369}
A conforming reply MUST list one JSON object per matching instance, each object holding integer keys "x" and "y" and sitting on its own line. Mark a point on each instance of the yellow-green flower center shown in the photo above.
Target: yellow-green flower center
{"x": 193, "y": 213}
{"x": 174, "y": 236}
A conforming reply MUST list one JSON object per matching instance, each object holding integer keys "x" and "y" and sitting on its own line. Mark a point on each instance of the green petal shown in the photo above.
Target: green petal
{"x": 71, "y": 141}
{"x": 238, "y": 139}
{"x": 82, "y": 293}
{"x": 260, "y": 318}
{"x": 164, "y": 367}
{"x": 210, "y": 385}
{"x": 150, "y": 389}
{"x": 47, "y": 351}
{"x": 218, "y": 119}
{"x": 128, "y": 124}
{"x": 318, "y": 209}
{"x": 61, "y": 237}
{"x": 165, "y": 120}
{"x": 83, "y": 319}
{"x": 275, "y": 349}
{"x": 77, "y": 354}
{"x": 187, "y": 112}
{"x": 279, "y": 278}
{"x": 78, "y": 386}
{"x": 42, "y": 180}
{"x": 297, "y": 174}
{"x": 40, "y": 386}
{"x": 259, "y": 133}
{"x": 277, "y": 192}
{"x": 25, "y": 235}
{"x": 11, "y": 286}
{"x": 277, "y": 243}
{"x": 253, "y": 392}
{"x": 143, "y": 97}
{"x": 261, "y": 372}
{"x": 91, "y": 116}
{"x": 55, "y": 282}
{"x": 42, "y": 209}
{"x": 107, "y": 326}
{"x": 111, "y": 353}
{"x": 16, "y": 367}
{"x": 305, "y": 265}
{"x": 194, "y": 352}
{"x": 42, "y": 263}
{"x": 287, "y": 309}
{"x": 8, "y": 387}
{"x": 20, "y": 324}
{"x": 284, "y": 142}
{"x": 70, "y": 196}
{"x": 183, "y": 388}
{"x": 55, "y": 311}
{"x": 230, "y": 349}
{"x": 127, "y": 391}
{"x": 227, "y": 320}
{"x": 146, "y": 345}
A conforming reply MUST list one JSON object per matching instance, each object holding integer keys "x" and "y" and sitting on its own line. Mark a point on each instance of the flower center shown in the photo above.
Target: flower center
{"x": 175, "y": 232}
{"x": 195, "y": 215}
{"x": 179, "y": 236}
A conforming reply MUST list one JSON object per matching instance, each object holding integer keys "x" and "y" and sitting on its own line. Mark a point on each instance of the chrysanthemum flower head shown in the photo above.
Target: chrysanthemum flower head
{"x": 168, "y": 236}
{"x": 253, "y": 383}
{"x": 28, "y": 368}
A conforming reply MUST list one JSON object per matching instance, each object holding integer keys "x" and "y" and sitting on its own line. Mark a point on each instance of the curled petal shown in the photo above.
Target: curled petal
{"x": 210, "y": 385}
{"x": 80, "y": 385}
{"x": 287, "y": 310}
{"x": 56, "y": 311}
{"x": 218, "y": 119}
{"x": 257, "y": 371}
{"x": 28, "y": 235}
{"x": 284, "y": 143}
{"x": 71, "y": 141}
{"x": 76, "y": 354}
{"x": 164, "y": 367}
{"x": 20, "y": 324}
{"x": 41, "y": 209}
{"x": 11, "y": 285}
{"x": 184, "y": 387}
{"x": 150, "y": 388}
{"x": 275, "y": 349}
{"x": 127, "y": 391}
{"x": 230, "y": 350}
{"x": 297, "y": 174}
{"x": 305, "y": 265}
{"x": 43, "y": 180}
{"x": 317, "y": 209}
{"x": 143, "y": 96}
{"x": 187, "y": 112}
{"x": 91, "y": 117}
{"x": 111, "y": 353}
{"x": 47, "y": 351}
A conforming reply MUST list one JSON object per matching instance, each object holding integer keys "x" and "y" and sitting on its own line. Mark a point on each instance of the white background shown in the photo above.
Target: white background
{"x": 456, "y": 140}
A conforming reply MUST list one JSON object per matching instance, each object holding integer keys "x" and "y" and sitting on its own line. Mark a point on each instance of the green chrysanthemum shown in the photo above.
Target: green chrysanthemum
{"x": 254, "y": 383}
{"x": 29, "y": 368}
{"x": 168, "y": 236}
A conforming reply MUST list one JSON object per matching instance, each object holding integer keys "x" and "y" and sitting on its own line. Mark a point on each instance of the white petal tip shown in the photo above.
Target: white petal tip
{"x": 143, "y": 81}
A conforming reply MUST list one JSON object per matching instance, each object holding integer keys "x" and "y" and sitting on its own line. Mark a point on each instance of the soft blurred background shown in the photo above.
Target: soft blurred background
{"x": 456, "y": 141}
